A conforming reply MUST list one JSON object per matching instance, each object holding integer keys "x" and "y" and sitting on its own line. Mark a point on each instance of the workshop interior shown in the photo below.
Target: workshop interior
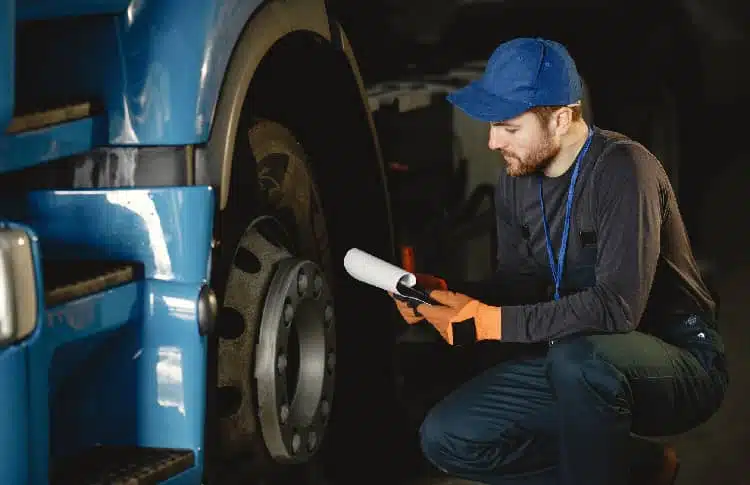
{"x": 181, "y": 181}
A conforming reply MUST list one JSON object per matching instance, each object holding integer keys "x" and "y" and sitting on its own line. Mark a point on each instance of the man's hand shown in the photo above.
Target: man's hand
{"x": 442, "y": 317}
{"x": 457, "y": 308}
{"x": 426, "y": 281}
{"x": 409, "y": 315}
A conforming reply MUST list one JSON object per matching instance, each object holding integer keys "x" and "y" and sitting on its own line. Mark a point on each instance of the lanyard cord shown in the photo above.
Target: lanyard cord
{"x": 557, "y": 266}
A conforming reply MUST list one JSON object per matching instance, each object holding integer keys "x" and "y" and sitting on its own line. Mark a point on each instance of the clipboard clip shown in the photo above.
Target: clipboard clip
{"x": 414, "y": 296}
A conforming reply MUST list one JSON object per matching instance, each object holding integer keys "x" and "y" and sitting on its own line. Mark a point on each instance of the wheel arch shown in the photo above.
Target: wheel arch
{"x": 263, "y": 82}
{"x": 278, "y": 41}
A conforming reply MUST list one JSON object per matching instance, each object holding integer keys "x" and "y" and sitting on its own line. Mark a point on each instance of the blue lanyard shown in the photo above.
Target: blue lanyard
{"x": 557, "y": 269}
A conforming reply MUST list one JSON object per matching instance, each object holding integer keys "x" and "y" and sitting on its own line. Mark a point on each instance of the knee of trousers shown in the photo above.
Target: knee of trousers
{"x": 578, "y": 374}
{"x": 451, "y": 446}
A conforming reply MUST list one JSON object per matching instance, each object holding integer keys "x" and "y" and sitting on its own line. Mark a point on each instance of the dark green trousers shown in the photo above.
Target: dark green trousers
{"x": 569, "y": 415}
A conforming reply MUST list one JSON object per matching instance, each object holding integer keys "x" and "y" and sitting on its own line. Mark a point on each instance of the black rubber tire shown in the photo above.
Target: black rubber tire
{"x": 271, "y": 177}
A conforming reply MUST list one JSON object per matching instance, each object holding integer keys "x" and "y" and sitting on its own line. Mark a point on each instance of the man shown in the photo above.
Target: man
{"x": 596, "y": 275}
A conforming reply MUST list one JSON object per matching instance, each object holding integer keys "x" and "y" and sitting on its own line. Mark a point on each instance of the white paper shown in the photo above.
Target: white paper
{"x": 374, "y": 271}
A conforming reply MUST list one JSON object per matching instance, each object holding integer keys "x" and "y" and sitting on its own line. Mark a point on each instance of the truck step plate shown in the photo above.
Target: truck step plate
{"x": 107, "y": 465}
{"x": 70, "y": 280}
{"x": 41, "y": 119}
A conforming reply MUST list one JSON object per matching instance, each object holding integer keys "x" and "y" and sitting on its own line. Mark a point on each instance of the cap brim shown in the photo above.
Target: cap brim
{"x": 478, "y": 103}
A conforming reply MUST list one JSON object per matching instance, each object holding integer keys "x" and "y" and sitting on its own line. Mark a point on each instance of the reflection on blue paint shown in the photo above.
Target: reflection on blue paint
{"x": 168, "y": 229}
{"x": 170, "y": 391}
{"x": 142, "y": 206}
{"x": 171, "y": 368}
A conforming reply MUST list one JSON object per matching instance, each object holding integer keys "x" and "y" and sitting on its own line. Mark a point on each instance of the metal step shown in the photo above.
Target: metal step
{"x": 107, "y": 465}
{"x": 41, "y": 119}
{"x": 70, "y": 280}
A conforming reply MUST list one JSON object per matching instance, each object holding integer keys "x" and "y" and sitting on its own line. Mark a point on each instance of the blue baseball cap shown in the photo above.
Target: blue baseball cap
{"x": 522, "y": 73}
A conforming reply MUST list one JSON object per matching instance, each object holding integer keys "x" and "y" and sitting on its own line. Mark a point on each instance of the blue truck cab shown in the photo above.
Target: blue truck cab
{"x": 180, "y": 180}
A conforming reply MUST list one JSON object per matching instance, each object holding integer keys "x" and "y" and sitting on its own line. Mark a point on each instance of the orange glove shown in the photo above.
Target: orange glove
{"x": 409, "y": 314}
{"x": 462, "y": 319}
{"x": 426, "y": 281}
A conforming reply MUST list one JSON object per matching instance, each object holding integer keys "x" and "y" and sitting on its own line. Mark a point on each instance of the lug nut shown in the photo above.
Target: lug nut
{"x": 281, "y": 363}
{"x": 283, "y": 413}
{"x": 288, "y": 313}
{"x": 302, "y": 283}
{"x": 325, "y": 408}
{"x": 296, "y": 442}
{"x": 328, "y": 315}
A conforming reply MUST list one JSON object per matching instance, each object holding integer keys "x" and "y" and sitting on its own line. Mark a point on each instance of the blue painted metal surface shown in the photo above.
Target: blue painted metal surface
{"x": 15, "y": 432}
{"x": 157, "y": 68}
{"x": 171, "y": 369}
{"x": 174, "y": 54}
{"x": 168, "y": 229}
{"x": 82, "y": 387}
{"x": 189, "y": 477}
{"x": 14, "y": 419}
{"x": 124, "y": 366}
{"x": 27, "y": 149}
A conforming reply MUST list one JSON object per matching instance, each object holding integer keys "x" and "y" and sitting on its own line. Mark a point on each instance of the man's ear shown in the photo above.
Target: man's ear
{"x": 562, "y": 120}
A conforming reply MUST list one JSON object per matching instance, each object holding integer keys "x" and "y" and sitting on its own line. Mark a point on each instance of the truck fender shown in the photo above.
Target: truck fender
{"x": 271, "y": 23}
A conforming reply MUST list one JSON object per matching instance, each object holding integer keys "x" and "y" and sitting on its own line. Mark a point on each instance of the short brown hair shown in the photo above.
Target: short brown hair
{"x": 544, "y": 113}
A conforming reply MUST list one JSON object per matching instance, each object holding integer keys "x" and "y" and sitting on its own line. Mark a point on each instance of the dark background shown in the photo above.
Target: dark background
{"x": 672, "y": 75}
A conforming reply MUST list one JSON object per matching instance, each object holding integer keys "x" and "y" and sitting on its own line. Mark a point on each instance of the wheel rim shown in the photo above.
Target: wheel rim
{"x": 277, "y": 307}
{"x": 294, "y": 394}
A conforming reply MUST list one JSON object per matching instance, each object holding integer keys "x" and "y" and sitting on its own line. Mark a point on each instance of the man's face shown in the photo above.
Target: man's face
{"x": 525, "y": 143}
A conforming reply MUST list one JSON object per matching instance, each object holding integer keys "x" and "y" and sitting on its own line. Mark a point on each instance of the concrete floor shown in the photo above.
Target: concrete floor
{"x": 717, "y": 452}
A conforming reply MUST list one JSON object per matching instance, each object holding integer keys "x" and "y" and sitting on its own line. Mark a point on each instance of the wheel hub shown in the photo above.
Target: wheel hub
{"x": 295, "y": 361}
{"x": 276, "y": 351}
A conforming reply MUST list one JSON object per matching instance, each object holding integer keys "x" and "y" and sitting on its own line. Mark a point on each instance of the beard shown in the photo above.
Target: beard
{"x": 537, "y": 160}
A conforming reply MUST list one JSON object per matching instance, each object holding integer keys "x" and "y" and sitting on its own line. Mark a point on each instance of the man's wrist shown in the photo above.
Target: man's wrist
{"x": 488, "y": 321}
{"x": 477, "y": 321}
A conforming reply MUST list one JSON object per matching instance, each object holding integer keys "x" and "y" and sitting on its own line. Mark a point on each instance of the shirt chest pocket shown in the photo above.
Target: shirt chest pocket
{"x": 580, "y": 265}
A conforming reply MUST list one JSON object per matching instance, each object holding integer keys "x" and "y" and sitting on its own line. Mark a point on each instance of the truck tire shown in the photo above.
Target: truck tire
{"x": 275, "y": 346}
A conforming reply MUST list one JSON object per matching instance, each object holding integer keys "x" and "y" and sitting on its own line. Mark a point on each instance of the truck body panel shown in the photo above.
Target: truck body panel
{"x": 93, "y": 93}
{"x": 14, "y": 439}
{"x": 154, "y": 71}
{"x": 125, "y": 366}
{"x": 156, "y": 67}
{"x": 27, "y": 149}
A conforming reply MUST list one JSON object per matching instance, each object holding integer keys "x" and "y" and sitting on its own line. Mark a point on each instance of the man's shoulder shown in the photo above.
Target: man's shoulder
{"x": 627, "y": 170}
{"x": 618, "y": 143}
{"x": 611, "y": 135}
{"x": 620, "y": 155}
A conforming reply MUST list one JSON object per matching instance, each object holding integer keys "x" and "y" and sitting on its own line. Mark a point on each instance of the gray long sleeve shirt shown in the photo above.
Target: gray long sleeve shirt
{"x": 629, "y": 262}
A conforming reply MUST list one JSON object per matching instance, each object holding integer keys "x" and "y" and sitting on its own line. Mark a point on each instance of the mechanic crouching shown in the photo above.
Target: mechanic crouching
{"x": 622, "y": 342}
